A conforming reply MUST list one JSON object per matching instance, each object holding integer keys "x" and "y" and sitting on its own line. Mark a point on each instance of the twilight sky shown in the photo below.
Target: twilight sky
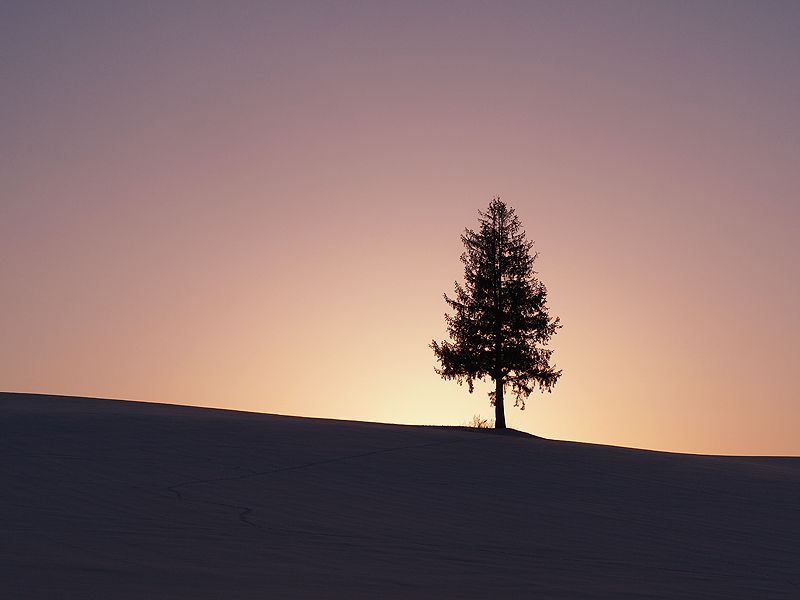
{"x": 258, "y": 205}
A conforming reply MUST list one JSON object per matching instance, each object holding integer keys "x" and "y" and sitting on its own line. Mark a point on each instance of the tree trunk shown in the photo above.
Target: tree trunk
{"x": 499, "y": 410}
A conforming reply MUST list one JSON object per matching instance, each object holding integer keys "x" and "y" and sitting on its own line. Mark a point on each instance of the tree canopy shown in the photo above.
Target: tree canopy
{"x": 500, "y": 325}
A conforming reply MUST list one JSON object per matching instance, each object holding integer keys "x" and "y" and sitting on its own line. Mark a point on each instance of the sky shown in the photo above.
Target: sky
{"x": 257, "y": 206}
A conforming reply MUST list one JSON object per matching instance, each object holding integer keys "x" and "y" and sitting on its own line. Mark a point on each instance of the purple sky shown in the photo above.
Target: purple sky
{"x": 257, "y": 205}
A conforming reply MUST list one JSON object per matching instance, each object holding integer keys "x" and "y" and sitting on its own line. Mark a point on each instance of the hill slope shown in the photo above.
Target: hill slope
{"x": 112, "y": 499}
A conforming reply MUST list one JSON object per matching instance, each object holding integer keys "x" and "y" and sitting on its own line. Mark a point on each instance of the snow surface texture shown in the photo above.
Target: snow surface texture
{"x": 112, "y": 499}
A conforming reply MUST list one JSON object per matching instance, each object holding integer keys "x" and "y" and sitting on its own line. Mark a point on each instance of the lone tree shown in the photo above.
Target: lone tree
{"x": 500, "y": 326}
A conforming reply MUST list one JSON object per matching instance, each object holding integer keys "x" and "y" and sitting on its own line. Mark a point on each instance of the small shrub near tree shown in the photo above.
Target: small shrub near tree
{"x": 480, "y": 423}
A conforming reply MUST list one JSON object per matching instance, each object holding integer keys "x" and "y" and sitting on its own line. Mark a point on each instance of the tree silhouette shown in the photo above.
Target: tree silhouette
{"x": 500, "y": 326}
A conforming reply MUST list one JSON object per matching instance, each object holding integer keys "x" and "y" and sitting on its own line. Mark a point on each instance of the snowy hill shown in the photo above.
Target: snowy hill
{"x": 113, "y": 499}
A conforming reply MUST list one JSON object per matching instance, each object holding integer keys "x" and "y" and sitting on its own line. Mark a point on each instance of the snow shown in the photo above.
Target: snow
{"x": 113, "y": 499}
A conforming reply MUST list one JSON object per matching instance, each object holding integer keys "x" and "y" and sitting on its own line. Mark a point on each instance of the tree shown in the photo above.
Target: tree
{"x": 500, "y": 325}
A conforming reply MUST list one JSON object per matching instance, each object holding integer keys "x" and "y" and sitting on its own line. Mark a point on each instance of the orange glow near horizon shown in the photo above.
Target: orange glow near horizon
{"x": 259, "y": 208}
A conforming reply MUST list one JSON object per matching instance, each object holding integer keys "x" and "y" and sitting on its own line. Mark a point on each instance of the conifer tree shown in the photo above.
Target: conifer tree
{"x": 500, "y": 326}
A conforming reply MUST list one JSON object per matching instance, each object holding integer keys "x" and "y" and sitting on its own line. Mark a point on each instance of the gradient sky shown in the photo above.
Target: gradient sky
{"x": 258, "y": 205}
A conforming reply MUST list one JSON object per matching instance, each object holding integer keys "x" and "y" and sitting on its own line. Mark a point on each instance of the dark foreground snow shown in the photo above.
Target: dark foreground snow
{"x": 109, "y": 499}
